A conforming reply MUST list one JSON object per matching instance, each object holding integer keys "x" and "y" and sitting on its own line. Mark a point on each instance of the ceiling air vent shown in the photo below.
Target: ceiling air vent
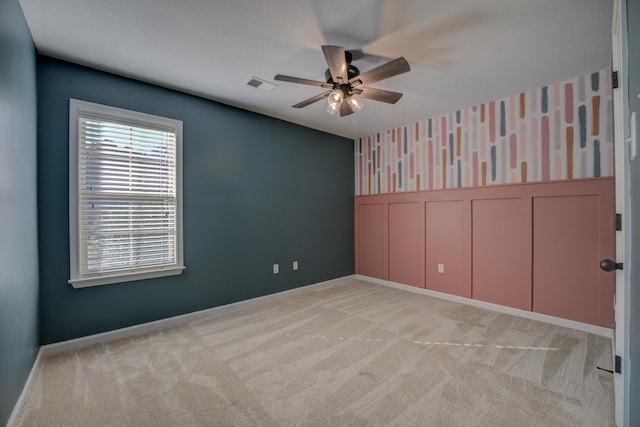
{"x": 261, "y": 84}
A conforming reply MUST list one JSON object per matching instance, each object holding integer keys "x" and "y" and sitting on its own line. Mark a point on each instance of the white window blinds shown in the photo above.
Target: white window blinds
{"x": 127, "y": 197}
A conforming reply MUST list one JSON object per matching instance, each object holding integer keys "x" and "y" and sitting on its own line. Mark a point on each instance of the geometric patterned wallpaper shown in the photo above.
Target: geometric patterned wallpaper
{"x": 562, "y": 131}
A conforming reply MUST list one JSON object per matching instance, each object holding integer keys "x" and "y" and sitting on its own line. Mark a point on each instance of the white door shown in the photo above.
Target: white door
{"x": 631, "y": 117}
{"x": 626, "y": 60}
{"x": 619, "y": 29}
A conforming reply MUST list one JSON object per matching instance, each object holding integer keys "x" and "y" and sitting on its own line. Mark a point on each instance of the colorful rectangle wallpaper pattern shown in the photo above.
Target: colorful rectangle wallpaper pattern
{"x": 562, "y": 131}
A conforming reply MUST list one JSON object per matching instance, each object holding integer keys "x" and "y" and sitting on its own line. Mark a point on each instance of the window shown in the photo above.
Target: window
{"x": 125, "y": 204}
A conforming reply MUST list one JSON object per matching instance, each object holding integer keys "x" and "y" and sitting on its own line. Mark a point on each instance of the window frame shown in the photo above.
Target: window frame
{"x": 78, "y": 109}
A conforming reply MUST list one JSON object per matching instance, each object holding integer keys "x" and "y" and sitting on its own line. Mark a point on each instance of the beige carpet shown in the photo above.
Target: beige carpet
{"x": 346, "y": 353}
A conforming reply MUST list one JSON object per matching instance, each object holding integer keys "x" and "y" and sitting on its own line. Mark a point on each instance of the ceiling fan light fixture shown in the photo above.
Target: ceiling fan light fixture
{"x": 335, "y": 98}
{"x": 355, "y": 103}
{"x": 345, "y": 82}
{"x": 333, "y": 110}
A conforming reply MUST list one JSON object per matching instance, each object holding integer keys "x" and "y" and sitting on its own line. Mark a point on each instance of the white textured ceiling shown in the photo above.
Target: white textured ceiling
{"x": 462, "y": 52}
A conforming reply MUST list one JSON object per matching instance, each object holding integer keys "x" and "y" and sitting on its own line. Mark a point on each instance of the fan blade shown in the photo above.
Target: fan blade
{"x": 361, "y": 55}
{"x": 337, "y": 63}
{"x": 384, "y": 71}
{"x": 301, "y": 81}
{"x": 379, "y": 94}
{"x": 423, "y": 41}
{"x": 312, "y": 100}
{"x": 356, "y": 54}
{"x": 345, "y": 109}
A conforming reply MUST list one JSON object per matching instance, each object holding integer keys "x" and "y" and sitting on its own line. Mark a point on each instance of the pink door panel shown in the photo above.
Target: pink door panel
{"x": 566, "y": 273}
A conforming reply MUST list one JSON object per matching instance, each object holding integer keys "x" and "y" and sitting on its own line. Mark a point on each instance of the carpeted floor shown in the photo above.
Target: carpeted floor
{"x": 345, "y": 353}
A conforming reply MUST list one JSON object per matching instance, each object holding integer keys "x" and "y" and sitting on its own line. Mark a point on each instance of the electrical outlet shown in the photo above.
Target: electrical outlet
{"x": 295, "y": 265}
{"x": 276, "y": 269}
{"x": 440, "y": 267}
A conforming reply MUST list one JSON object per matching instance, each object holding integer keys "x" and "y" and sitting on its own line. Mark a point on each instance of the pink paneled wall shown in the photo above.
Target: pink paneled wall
{"x": 534, "y": 246}
{"x": 558, "y": 132}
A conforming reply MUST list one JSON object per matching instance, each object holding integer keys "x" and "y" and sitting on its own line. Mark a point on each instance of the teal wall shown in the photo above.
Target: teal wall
{"x": 18, "y": 238}
{"x": 257, "y": 191}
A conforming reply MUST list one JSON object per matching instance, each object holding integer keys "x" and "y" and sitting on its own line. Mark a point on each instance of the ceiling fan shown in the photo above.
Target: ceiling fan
{"x": 346, "y": 85}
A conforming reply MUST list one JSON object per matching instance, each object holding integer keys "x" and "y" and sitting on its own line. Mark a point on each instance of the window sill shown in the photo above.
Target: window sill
{"x": 125, "y": 277}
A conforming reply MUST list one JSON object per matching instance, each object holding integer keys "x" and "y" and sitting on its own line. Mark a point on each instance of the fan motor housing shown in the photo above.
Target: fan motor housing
{"x": 352, "y": 71}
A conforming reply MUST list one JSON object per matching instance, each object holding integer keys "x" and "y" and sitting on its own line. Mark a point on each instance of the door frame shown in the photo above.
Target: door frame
{"x": 620, "y": 339}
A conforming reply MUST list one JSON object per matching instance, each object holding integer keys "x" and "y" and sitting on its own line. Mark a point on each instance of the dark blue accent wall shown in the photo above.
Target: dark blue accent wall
{"x": 18, "y": 232}
{"x": 257, "y": 191}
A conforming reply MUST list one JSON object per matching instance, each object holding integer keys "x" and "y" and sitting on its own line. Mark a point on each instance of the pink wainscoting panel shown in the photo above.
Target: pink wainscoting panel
{"x": 405, "y": 261}
{"x": 445, "y": 245}
{"x": 506, "y": 230}
{"x": 370, "y": 240}
{"x": 500, "y": 253}
{"x": 567, "y": 252}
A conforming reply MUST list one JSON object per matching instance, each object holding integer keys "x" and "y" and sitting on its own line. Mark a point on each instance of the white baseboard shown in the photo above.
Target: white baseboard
{"x": 572, "y": 324}
{"x": 144, "y": 328}
{"x": 17, "y": 409}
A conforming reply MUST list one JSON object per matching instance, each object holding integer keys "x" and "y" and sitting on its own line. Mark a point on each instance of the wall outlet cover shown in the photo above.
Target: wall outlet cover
{"x": 440, "y": 267}
{"x": 295, "y": 265}
{"x": 276, "y": 269}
